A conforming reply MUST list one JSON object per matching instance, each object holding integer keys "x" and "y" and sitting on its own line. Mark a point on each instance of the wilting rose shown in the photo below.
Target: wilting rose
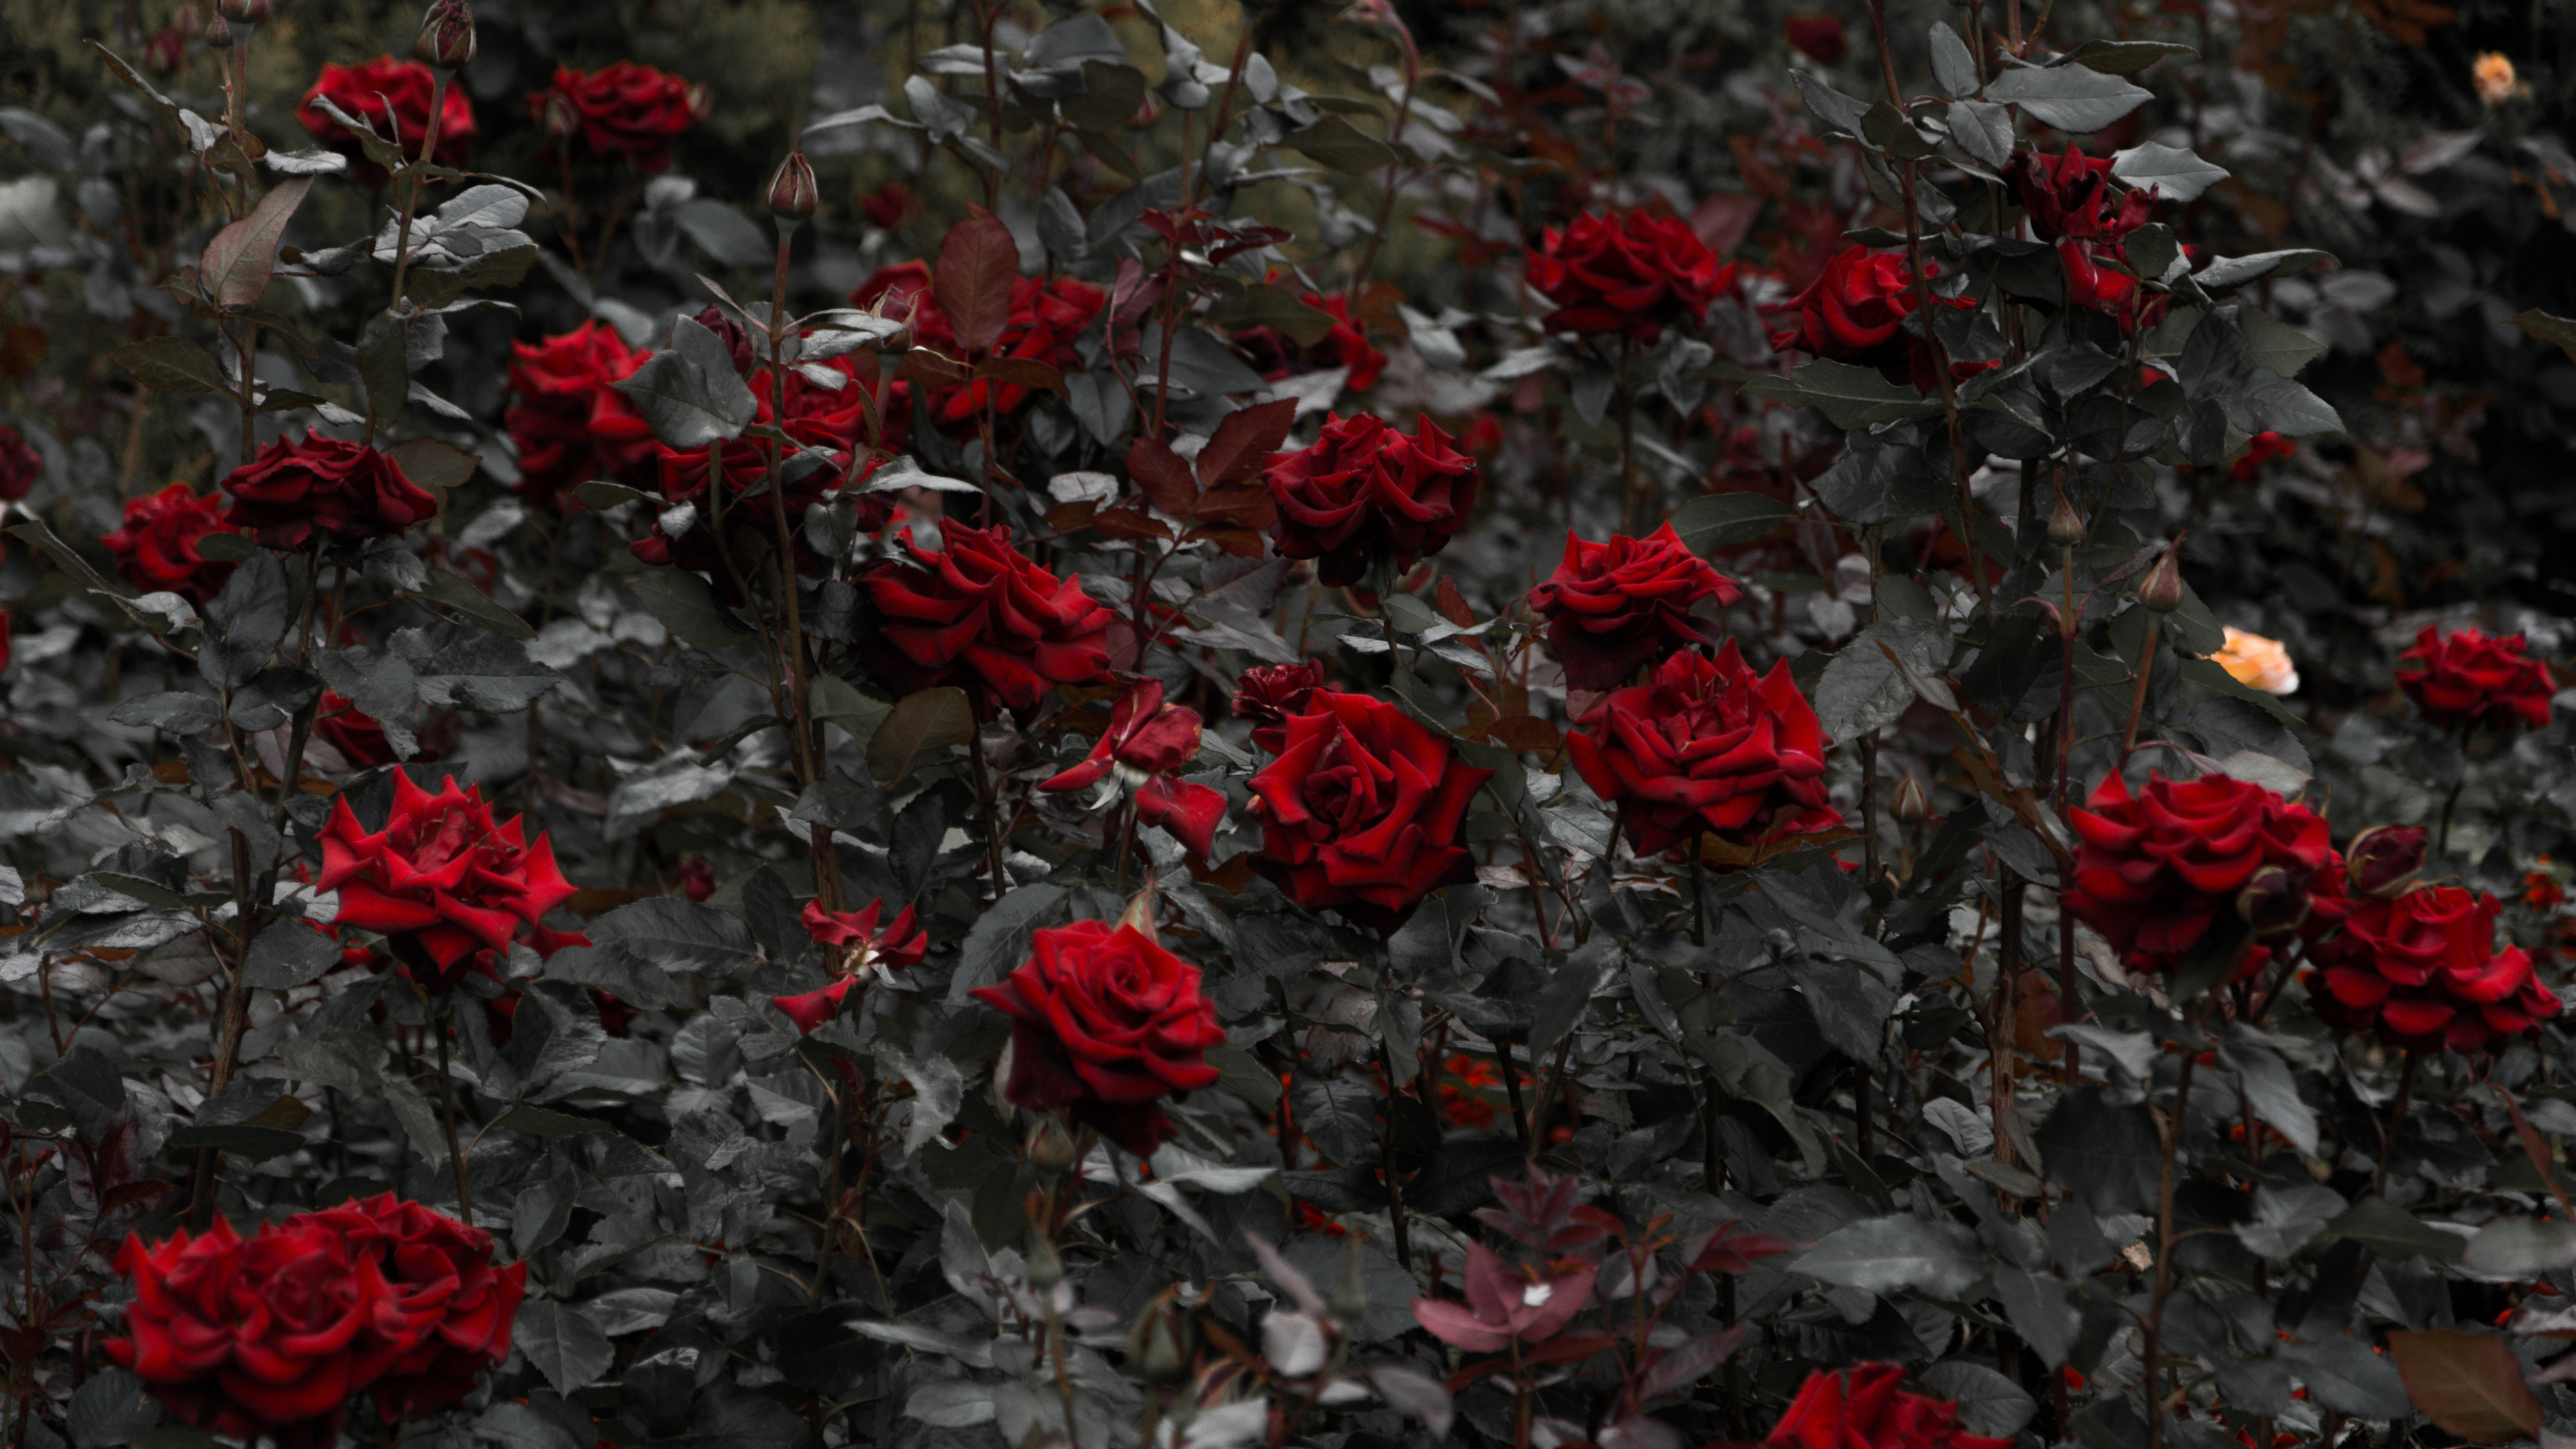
{"x": 2074, "y": 195}
{"x": 1855, "y": 311}
{"x": 156, "y": 547}
{"x": 569, "y": 423}
{"x": 346, "y": 491}
{"x": 2260, "y": 449}
{"x": 1365, "y": 497}
{"x": 1863, "y": 1407}
{"x": 2257, "y": 662}
{"x": 1361, "y": 812}
{"x": 442, "y": 880}
{"x": 862, "y": 946}
{"x": 980, "y": 614}
{"x": 20, "y": 465}
{"x": 1104, "y": 1024}
{"x": 1818, "y": 36}
{"x": 2383, "y": 860}
{"x": 625, "y": 109}
{"x": 1275, "y": 355}
{"x": 1629, "y": 273}
{"x": 1268, "y": 694}
{"x": 2155, "y": 869}
{"x": 274, "y": 1334}
{"x": 2423, "y": 969}
{"x": 453, "y": 1306}
{"x": 1146, "y": 741}
{"x": 1047, "y": 314}
{"x": 392, "y": 96}
{"x": 2466, "y": 678}
{"x": 1708, "y": 747}
{"x": 1612, "y": 607}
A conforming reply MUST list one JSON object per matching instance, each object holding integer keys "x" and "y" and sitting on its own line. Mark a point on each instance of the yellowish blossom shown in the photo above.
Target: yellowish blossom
{"x": 2493, "y": 75}
{"x": 2258, "y": 663}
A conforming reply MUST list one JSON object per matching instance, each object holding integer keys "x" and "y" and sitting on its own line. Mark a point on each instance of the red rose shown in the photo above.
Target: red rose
{"x": 1611, "y": 607}
{"x": 156, "y": 549}
{"x": 2090, "y": 283}
{"x": 2154, "y": 870}
{"x": 2074, "y": 195}
{"x": 2382, "y": 861}
{"x": 2260, "y": 449}
{"x": 1046, "y": 316}
{"x": 625, "y": 110}
{"x": 1709, "y": 746}
{"x": 1819, "y": 36}
{"x": 2465, "y": 678}
{"x": 1274, "y": 354}
{"x": 831, "y": 423}
{"x": 20, "y": 465}
{"x": 1269, "y": 694}
{"x": 860, "y": 946}
{"x": 1362, "y": 809}
{"x": 1364, "y": 496}
{"x": 569, "y": 423}
{"x": 392, "y": 96}
{"x": 345, "y": 490}
{"x": 453, "y": 1306}
{"x": 696, "y": 877}
{"x": 441, "y": 881}
{"x": 2423, "y": 969}
{"x": 1855, "y": 311}
{"x": 270, "y": 1335}
{"x": 1147, "y": 740}
{"x": 890, "y": 206}
{"x": 1104, "y": 1022}
{"x": 978, "y": 613}
{"x": 1864, "y": 1408}
{"x": 1629, "y": 272}
{"x": 361, "y": 741}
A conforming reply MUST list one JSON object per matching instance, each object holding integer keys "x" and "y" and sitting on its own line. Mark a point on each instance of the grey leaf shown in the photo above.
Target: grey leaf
{"x": 289, "y": 954}
{"x": 1884, "y": 1255}
{"x": 563, "y": 1344}
{"x": 110, "y": 1409}
{"x": 2068, "y": 97}
{"x": 179, "y": 714}
{"x": 1955, "y": 67}
{"x": 2274, "y": 1095}
{"x": 2344, "y": 1375}
{"x": 999, "y": 939}
{"x": 689, "y": 393}
{"x": 2175, "y": 173}
{"x": 677, "y": 935}
{"x": 1988, "y": 1402}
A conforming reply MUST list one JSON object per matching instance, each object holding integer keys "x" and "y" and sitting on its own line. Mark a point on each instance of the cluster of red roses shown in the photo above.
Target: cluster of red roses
{"x": 294, "y": 489}
{"x": 2073, "y": 202}
{"x": 2465, "y": 678}
{"x": 1866, "y": 1407}
{"x": 279, "y": 1332}
{"x": 2422, "y": 966}
{"x": 625, "y": 110}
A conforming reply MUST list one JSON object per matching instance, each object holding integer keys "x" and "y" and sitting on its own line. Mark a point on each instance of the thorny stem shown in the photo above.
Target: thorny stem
{"x": 1512, "y": 1088}
{"x": 411, "y": 191}
{"x": 447, "y": 1116}
{"x": 2138, "y": 697}
{"x": 228, "y": 1036}
{"x": 2172, "y": 1129}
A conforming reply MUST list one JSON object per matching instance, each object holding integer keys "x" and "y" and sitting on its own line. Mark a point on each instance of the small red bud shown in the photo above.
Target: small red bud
{"x": 560, "y": 120}
{"x": 2065, "y": 529}
{"x": 793, "y": 194}
{"x": 2161, "y": 590}
{"x": 1910, "y": 803}
{"x": 219, "y": 32}
{"x": 446, "y": 34}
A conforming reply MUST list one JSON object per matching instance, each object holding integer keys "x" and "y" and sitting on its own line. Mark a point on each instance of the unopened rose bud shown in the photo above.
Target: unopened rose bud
{"x": 558, "y": 118}
{"x": 446, "y": 34}
{"x": 1051, "y": 1149}
{"x": 2383, "y": 860}
{"x": 2161, "y": 590}
{"x": 2274, "y": 902}
{"x": 793, "y": 194}
{"x": 219, "y": 33}
{"x": 253, "y": 11}
{"x": 190, "y": 22}
{"x": 2064, "y": 528}
{"x": 735, "y": 337}
{"x": 1155, "y": 1346}
{"x": 1046, "y": 1268}
{"x": 1911, "y": 802}
{"x": 702, "y": 101}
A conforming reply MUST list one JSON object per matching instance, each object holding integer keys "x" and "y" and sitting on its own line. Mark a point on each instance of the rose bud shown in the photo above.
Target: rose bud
{"x": 446, "y": 34}
{"x": 793, "y": 194}
{"x": 2161, "y": 589}
{"x": 219, "y": 32}
{"x": 1910, "y": 803}
{"x": 1051, "y": 1148}
{"x": 559, "y": 117}
{"x": 2383, "y": 860}
{"x": 1046, "y": 1266}
{"x": 1350, "y": 1299}
{"x": 190, "y": 22}
{"x": 735, "y": 336}
{"x": 2065, "y": 529}
{"x": 2274, "y": 902}
{"x": 1155, "y": 1341}
{"x": 253, "y": 11}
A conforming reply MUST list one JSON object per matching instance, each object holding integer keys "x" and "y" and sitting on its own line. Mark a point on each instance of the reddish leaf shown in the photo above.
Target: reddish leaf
{"x": 1524, "y": 734}
{"x": 977, "y": 265}
{"x": 926, "y": 368}
{"x": 239, "y": 261}
{"x": 1164, "y": 475}
{"x": 1024, "y": 371}
{"x": 1244, "y": 505}
{"x": 1453, "y": 1325}
{"x": 1245, "y": 440}
{"x": 1453, "y": 605}
{"x": 1241, "y": 542}
{"x": 1679, "y": 1368}
{"x": 1128, "y": 523}
{"x": 1725, "y": 1250}
{"x": 1066, "y": 517}
{"x": 2469, "y": 1383}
